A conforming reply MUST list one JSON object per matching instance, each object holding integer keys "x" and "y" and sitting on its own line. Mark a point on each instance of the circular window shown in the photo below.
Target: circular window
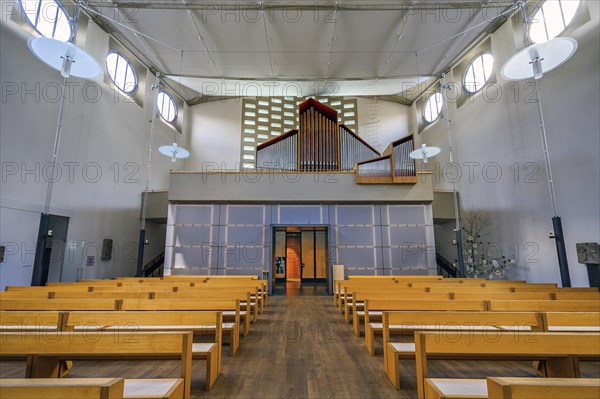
{"x": 121, "y": 72}
{"x": 166, "y": 107}
{"x": 478, "y": 73}
{"x": 433, "y": 107}
{"x": 48, "y": 17}
{"x": 551, "y": 19}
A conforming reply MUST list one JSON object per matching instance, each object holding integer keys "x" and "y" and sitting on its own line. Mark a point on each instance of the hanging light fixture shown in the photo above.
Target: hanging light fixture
{"x": 424, "y": 152}
{"x": 66, "y": 57}
{"x": 69, "y": 60}
{"x": 174, "y": 152}
{"x": 531, "y": 63}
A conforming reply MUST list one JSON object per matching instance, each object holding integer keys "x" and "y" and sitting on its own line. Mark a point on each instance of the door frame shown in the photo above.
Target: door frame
{"x": 283, "y": 227}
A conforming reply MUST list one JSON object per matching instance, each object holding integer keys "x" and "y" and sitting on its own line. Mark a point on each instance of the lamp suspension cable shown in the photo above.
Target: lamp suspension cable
{"x": 142, "y": 241}
{"x": 445, "y": 89}
{"x": 537, "y": 72}
{"x": 66, "y": 68}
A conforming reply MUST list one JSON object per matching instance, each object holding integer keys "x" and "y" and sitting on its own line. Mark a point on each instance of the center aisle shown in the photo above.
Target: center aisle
{"x": 302, "y": 348}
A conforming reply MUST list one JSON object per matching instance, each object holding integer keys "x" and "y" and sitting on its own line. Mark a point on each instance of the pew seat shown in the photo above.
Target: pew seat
{"x": 512, "y": 388}
{"x": 167, "y": 388}
{"x": 453, "y": 388}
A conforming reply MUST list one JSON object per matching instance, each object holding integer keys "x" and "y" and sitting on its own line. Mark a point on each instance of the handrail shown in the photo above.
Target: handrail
{"x": 154, "y": 264}
{"x": 446, "y": 265}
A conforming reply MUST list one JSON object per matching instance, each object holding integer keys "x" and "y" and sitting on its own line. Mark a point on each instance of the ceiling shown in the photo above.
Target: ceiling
{"x": 371, "y": 48}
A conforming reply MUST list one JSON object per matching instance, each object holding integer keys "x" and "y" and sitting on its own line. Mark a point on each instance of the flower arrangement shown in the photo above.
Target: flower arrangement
{"x": 478, "y": 254}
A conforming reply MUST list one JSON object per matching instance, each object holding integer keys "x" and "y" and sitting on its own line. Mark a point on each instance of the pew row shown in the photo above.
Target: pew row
{"x": 44, "y": 355}
{"x": 560, "y": 351}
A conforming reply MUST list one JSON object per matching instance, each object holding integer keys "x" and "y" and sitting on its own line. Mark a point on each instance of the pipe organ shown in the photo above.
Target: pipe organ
{"x": 320, "y": 144}
{"x": 353, "y": 149}
{"x": 395, "y": 166}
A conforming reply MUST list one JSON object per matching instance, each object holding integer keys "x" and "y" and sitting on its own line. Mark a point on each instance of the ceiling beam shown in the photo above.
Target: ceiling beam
{"x": 312, "y": 6}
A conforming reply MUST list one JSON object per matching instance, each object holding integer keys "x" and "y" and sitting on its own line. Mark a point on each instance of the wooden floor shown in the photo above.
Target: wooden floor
{"x": 300, "y": 348}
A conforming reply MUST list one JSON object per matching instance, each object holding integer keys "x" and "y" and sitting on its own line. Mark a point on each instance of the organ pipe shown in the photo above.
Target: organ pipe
{"x": 320, "y": 144}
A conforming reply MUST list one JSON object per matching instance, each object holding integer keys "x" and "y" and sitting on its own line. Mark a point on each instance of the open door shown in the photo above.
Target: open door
{"x": 293, "y": 257}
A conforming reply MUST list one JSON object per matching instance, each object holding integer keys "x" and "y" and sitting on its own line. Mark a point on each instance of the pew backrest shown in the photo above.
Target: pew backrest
{"x": 543, "y": 388}
{"x": 544, "y": 306}
{"x": 62, "y": 388}
{"x": 60, "y": 304}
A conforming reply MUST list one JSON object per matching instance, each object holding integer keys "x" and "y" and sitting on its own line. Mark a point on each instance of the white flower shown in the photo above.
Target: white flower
{"x": 475, "y": 252}
{"x": 485, "y": 262}
{"x": 495, "y": 263}
{"x": 470, "y": 238}
{"x": 474, "y": 245}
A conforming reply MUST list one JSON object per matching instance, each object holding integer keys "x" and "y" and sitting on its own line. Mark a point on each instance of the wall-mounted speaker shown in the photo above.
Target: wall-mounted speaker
{"x": 107, "y": 244}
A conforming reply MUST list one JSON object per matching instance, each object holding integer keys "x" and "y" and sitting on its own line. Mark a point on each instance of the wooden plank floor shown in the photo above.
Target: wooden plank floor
{"x": 301, "y": 347}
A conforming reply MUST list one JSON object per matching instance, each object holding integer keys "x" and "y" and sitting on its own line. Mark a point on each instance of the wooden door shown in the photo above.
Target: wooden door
{"x": 293, "y": 257}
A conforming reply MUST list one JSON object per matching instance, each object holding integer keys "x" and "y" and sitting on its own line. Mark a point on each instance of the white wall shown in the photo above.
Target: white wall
{"x": 505, "y": 131}
{"x": 215, "y": 137}
{"x": 382, "y": 122}
{"x": 105, "y": 140}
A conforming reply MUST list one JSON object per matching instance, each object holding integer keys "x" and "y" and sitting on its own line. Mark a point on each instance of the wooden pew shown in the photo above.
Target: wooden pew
{"x": 543, "y": 388}
{"x": 417, "y": 278}
{"x": 71, "y": 287}
{"x": 28, "y": 321}
{"x": 450, "y": 323}
{"x": 358, "y": 302}
{"x": 553, "y": 288}
{"x": 374, "y": 308}
{"x": 25, "y": 294}
{"x": 512, "y": 388}
{"x": 346, "y": 299}
{"x": 560, "y": 350}
{"x": 250, "y": 276}
{"x": 65, "y": 388}
{"x": 103, "y": 295}
{"x": 517, "y": 296}
{"x": 573, "y": 321}
{"x": 44, "y": 355}
{"x": 131, "y": 322}
{"x": 543, "y": 306}
{"x": 136, "y": 288}
{"x": 60, "y": 304}
{"x": 577, "y": 296}
{"x": 469, "y": 288}
{"x": 235, "y": 284}
{"x": 85, "y": 282}
{"x": 229, "y": 308}
{"x": 343, "y": 289}
{"x": 248, "y": 304}
{"x": 352, "y": 303}
{"x": 339, "y": 287}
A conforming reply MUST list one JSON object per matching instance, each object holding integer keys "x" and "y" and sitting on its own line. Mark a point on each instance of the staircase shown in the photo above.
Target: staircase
{"x": 445, "y": 267}
{"x": 155, "y": 267}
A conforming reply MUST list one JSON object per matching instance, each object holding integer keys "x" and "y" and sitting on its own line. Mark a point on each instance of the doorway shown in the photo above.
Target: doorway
{"x": 50, "y": 251}
{"x": 300, "y": 261}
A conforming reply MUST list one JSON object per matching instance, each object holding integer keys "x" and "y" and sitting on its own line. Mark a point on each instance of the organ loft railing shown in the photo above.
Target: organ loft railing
{"x": 322, "y": 144}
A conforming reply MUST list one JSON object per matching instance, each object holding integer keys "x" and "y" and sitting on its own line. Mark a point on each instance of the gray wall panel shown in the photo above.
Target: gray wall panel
{"x": 404, "y": 214}
{"x": 357, "y": 214}
{"x": 357, "y": 236}
{"x": 192, "y": 235}
{"x": 300, "y": 214}
{"x": 404, "y": 235}
{"x": 194, "y": 214}
{"x": 237, "y": 239}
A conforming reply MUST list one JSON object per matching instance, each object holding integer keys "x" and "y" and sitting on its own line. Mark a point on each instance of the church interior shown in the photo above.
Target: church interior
{"x": 307, "y": 199}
